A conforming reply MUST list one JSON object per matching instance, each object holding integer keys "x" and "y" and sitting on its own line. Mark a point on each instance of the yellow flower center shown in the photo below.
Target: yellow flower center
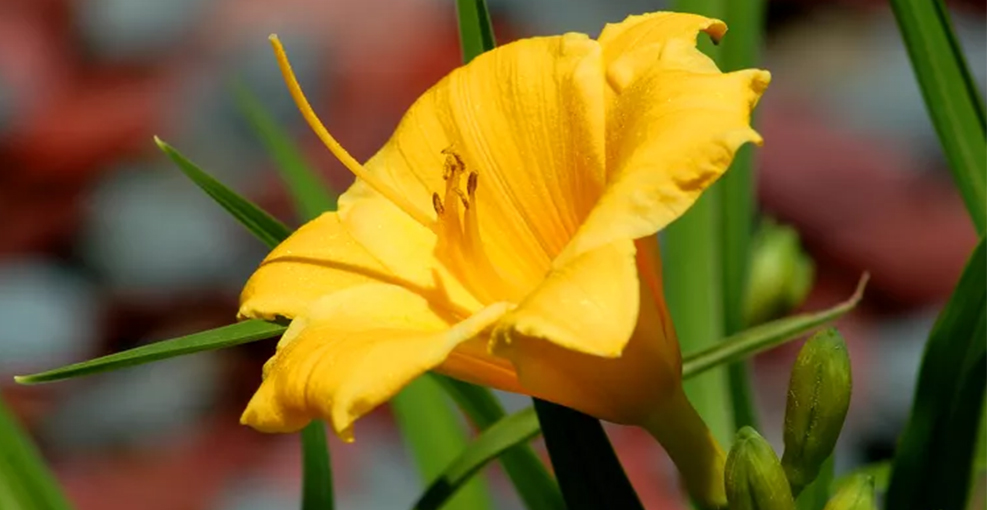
{"x": 460, "y": 244}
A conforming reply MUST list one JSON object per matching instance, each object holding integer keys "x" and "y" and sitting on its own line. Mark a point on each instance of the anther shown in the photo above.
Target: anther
{"x": 471, "y": 184}
{"x": 462, "y": 197}
{"x": 437, "y": 204}
{"x": 454, "y": 163}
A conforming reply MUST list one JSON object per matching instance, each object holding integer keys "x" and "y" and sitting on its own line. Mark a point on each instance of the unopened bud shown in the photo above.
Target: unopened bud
{"x": 818, "y": 399}
{"x": 856, "y": 494}
{"x": 754, "y": 477}
{"x": 781, "y": 273}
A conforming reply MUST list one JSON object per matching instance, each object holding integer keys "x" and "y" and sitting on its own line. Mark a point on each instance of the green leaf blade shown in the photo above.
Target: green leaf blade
{"x": 436, "y": 437}
{"x": 934, "y": 459}
{"x": 309, "y": 193}
{"x": 588, "y": 471}
{"x": 506, "y": 435}
{"x": 25, "y": 481}
{"x": 531, "y": 479}
{"x": 268, "y": 229}
{"x": 951, "y": 97}
{"x": 766, "y": 336}
{"x": 218, "y": 338}
{"x": 475, "y": 30}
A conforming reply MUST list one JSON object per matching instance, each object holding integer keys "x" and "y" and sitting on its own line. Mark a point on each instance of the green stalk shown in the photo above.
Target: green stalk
{"x": 316, "y": 468}
{"x": 691, "y": 252}
{"x": 692, "y": 288}
{"x": 740, "y": 50}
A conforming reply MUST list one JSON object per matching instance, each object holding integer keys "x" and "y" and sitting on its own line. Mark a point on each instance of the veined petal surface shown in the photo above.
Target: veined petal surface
{"x": 673, "y": 127}
{"x": 589, "y": 305}
{"x": 528, "y": 118}
{"x": 353, "y": 350}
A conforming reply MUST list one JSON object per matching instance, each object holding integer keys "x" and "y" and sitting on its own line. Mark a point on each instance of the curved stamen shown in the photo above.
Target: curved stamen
{"x": 344, "y": 157}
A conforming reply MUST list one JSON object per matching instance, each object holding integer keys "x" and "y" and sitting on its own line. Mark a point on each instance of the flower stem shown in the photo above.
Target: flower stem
{"x": 693, "y": 449}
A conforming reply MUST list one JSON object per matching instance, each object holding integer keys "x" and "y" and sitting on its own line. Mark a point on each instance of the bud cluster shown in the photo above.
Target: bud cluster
{"x": 818, "y": 400}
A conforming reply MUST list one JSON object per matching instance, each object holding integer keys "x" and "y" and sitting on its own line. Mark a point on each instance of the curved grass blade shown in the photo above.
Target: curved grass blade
{"x": 766, "y": 336}
{"x": 269, "y": 230}
{"x": 500, "y": 438}
{"x": 475, "y": 31}
{"x": 588, "y": 471}
{"x": 310, "y": 195}
{"x": 933, "y": 462}
{"x": 532, "y": 480}
{"x": 218, "y": 338}
{"x": 435, "y": 435}
{"x": 25, "y": 482}
{"x": 951, "y": 97}
{"x": 317, "y": 491}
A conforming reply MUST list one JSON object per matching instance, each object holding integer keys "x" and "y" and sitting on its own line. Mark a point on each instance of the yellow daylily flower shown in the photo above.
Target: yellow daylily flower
{"x": 504, "y": 236}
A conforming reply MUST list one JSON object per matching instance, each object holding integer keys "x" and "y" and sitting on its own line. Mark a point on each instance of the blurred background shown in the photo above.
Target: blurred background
{"x": 104, "y": 245}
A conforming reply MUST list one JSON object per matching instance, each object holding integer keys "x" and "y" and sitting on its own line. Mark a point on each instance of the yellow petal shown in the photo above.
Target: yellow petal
{"x": 633, "y": 45}
{"x": 322, "y": 257}
{"x": 672, "y": 131}
{"x": 589, "y": 305}
{"x": 318, "y": 259}
{"x": 629, "y": 389}
{"x": 350, "y": 352}
{"x": 528, "y": 117}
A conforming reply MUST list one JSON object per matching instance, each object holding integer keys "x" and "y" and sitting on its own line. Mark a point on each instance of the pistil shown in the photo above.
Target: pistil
{"x": 334, "y": 146}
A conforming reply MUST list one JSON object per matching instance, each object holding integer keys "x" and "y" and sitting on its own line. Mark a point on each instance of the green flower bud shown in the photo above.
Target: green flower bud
{"x": 818, "y": 399}
{"x": 855, "y": 494}
{"x": 781, "y": 274}
{"x": 754, "y": 478}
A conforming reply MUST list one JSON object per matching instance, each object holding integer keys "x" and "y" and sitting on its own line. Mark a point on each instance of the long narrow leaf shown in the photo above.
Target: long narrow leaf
{"x": 766, "y": 336}
{"x": 586, "y": 466}
{"x": 933, "y": 461}
{"x": 317, "y": 491}
{"x": 269, "y": 230}
{"x": 310, "y": 194}
{"x": 533, "y": 482}
{"x": 25, "y": 482}
{"x": 497, "y": 440}
{"x": 475, "y": 31}
{"x": 218, "y": 338}
{"x": 435, "y": 436}
{"x": 951, "y": 96}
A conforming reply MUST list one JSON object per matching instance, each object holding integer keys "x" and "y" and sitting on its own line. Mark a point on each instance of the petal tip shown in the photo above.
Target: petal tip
{"x": 715, "y": 29}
